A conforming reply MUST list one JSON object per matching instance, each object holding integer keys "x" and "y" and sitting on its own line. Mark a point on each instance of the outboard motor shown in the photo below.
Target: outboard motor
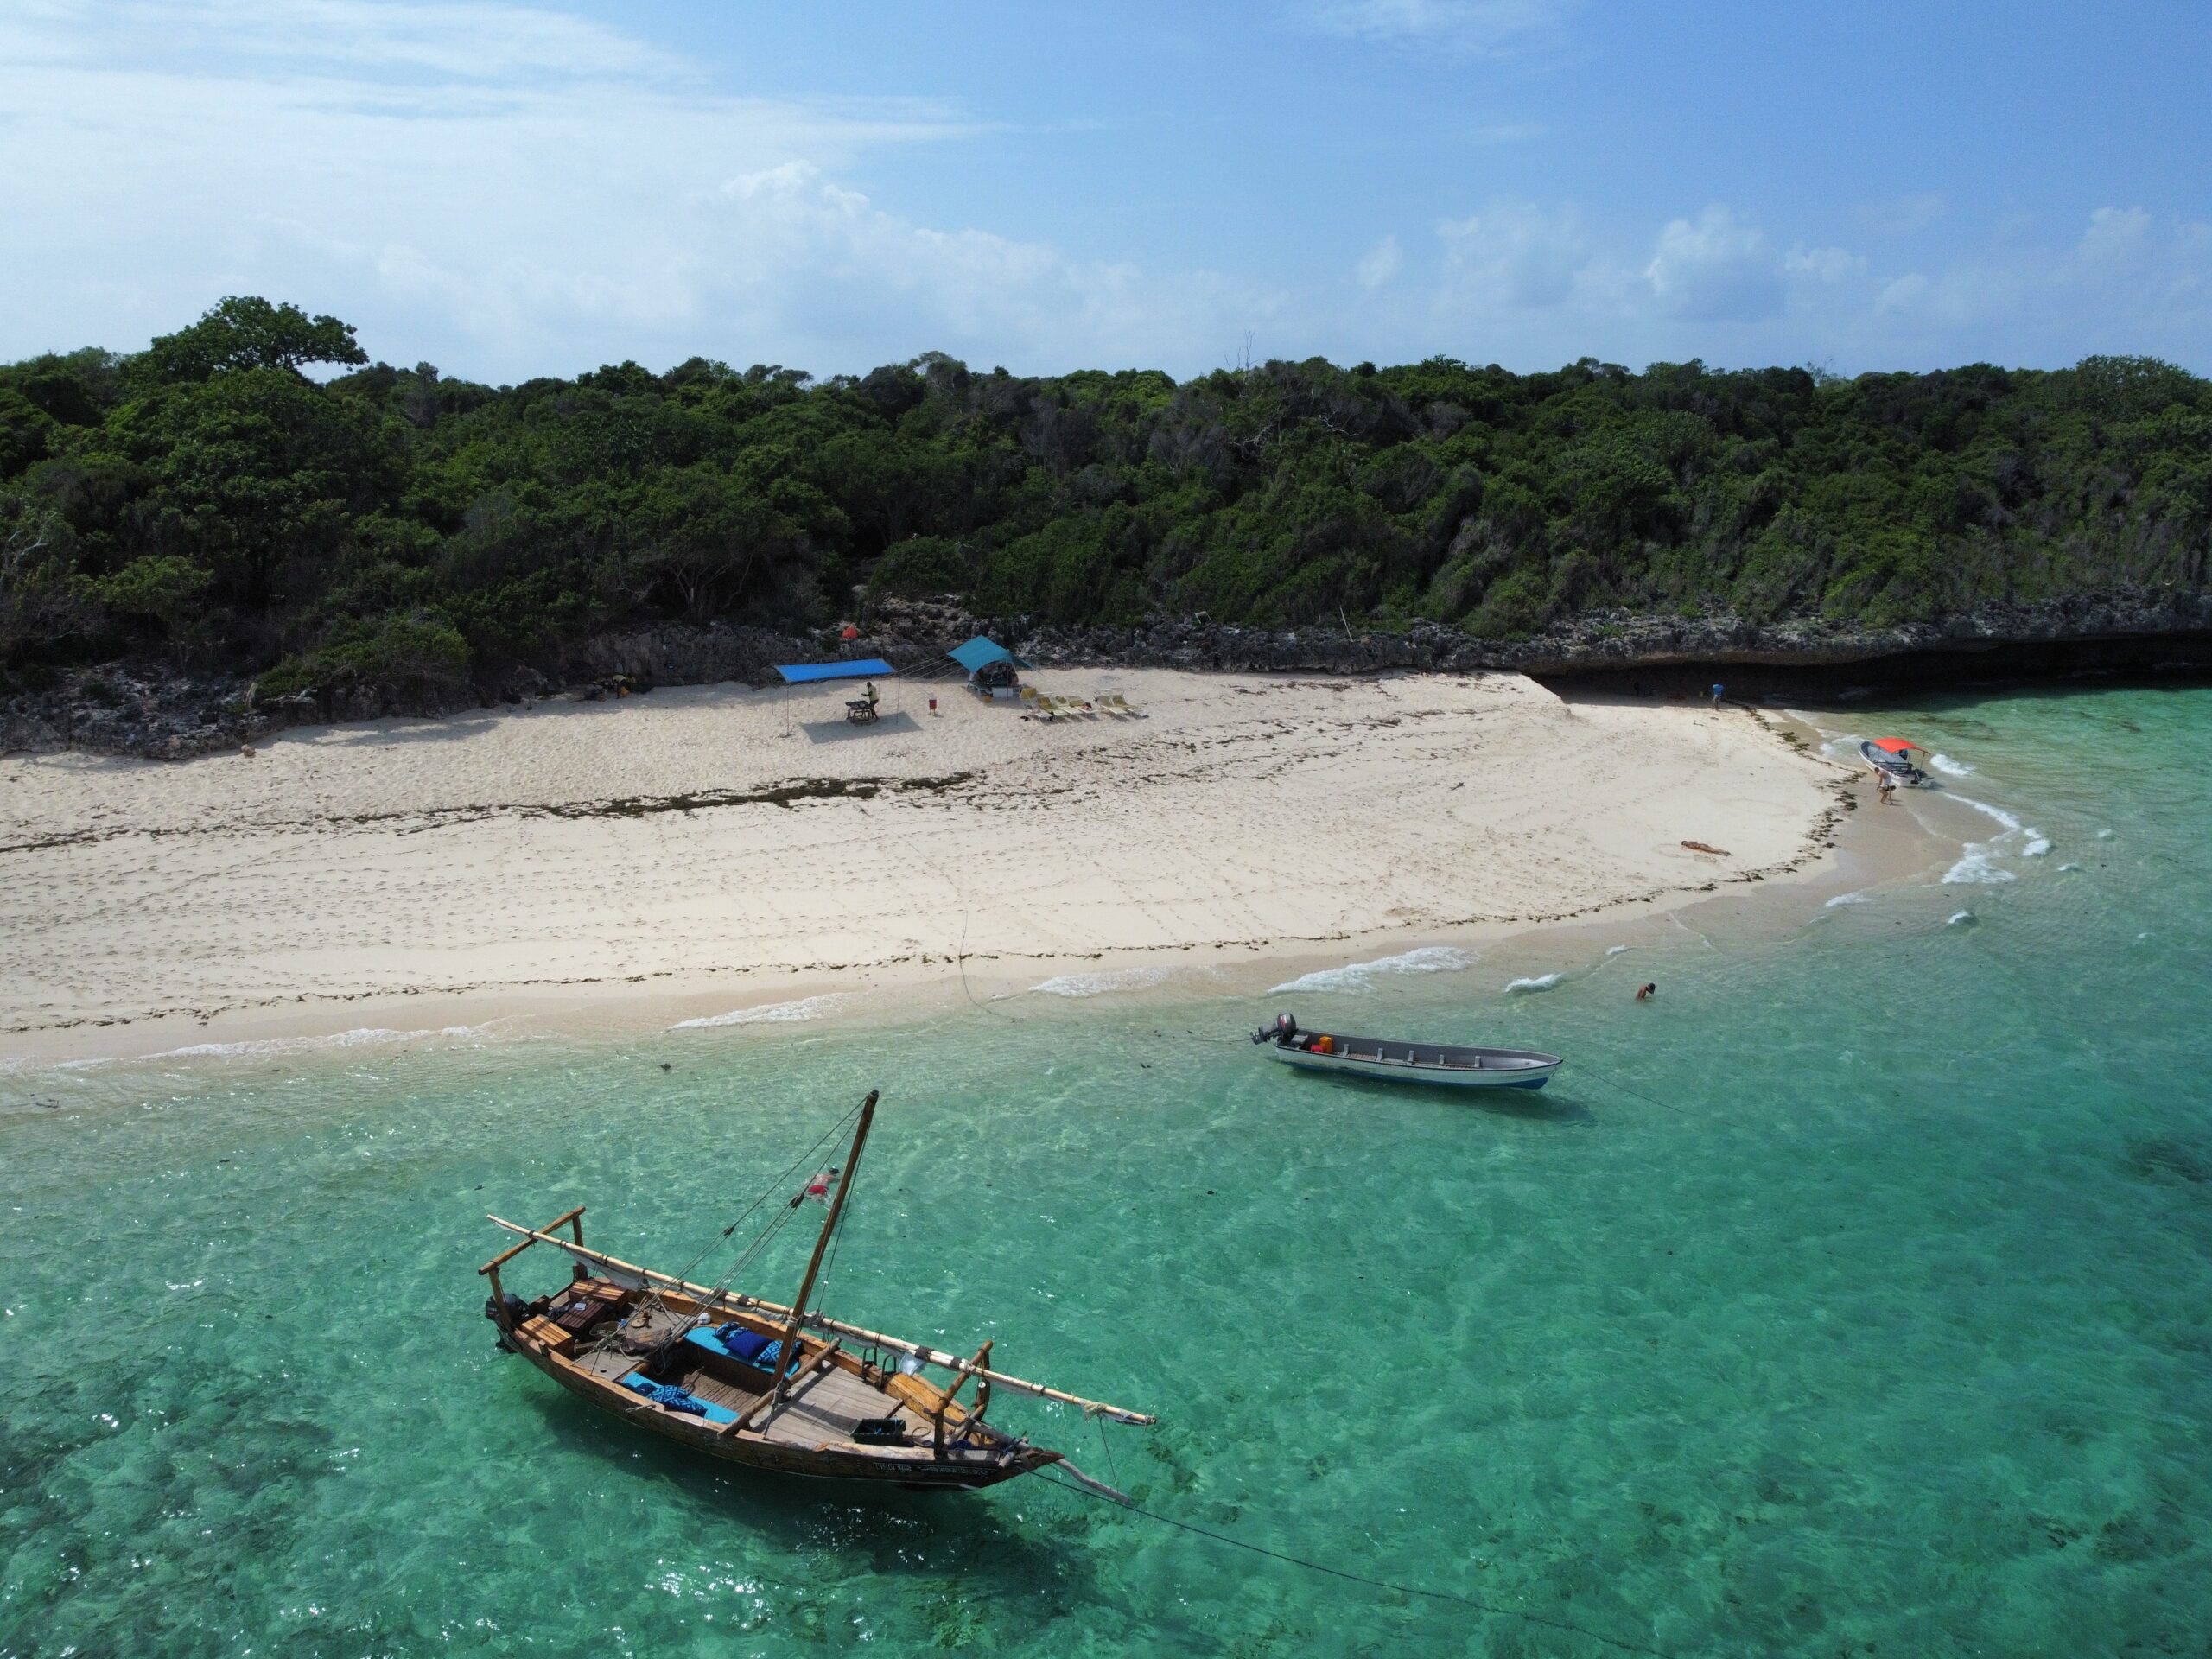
{"x": 1284, "y": 1029}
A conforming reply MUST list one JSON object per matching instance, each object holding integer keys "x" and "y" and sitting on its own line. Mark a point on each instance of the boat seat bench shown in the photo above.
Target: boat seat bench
{"x": 639, "y": 1383}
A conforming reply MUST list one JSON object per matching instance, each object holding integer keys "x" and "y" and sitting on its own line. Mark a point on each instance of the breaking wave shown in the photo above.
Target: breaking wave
{"x": 1977, "y": 869}
{"x": 1537, "y": 982}
{"x": 1361, "y": 975}
{"x": 1948, "y": 767}
{"x": 1848, "y": 898}
{"x": 1119, "y": 978}
{"x": 360, "y": 1037}
{"x": 1997, "y": 812}
{"x": 807, "y": 1008}
{"x": 1959, "y": 918}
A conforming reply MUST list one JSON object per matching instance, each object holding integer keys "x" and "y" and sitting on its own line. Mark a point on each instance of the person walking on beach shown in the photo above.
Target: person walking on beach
{"x": 1718, "y": 692}
{"x": 1886, "y": 787}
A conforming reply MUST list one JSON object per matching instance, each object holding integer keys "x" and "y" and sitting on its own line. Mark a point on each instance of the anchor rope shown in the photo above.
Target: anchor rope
{"x": 1622, "y": 1644}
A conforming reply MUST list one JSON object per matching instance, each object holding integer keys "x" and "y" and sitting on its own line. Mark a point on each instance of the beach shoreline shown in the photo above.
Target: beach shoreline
{"x": 990, "y": 795}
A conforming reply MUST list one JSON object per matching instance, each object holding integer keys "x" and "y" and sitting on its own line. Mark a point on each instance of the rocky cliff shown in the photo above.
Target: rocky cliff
{"x": 156, "y": 712}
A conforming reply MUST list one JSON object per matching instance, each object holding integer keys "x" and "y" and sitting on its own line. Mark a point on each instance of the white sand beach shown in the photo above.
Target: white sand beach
{"x": 744, "y": 842}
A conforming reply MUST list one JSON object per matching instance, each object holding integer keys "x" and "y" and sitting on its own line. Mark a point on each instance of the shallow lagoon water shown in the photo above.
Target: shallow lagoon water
{"x": 1854, "y": 1295}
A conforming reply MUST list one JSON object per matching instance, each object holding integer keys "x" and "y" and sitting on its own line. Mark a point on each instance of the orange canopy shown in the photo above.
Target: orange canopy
{"x": 1894, "y": 745}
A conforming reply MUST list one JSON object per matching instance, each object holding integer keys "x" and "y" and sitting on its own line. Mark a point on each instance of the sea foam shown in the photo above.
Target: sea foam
{"x": 1848, "y": 898}
{"x": 1976, "y": 868}
{"x": 1099, "y": 984}
{"x": 807, "y": 1008}
{"x": 1536, "y": 982}
{"x": 1361, "y": 975}
{"x": 1948, "y": 767}
{"x": 1996, "y": 812}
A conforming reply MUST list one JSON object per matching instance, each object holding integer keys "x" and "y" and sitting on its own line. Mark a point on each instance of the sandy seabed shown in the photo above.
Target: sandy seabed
{"x": 748, "y": 842}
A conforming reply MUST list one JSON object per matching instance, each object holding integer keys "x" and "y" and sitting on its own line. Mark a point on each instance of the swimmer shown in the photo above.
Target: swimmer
{"x": 1644, "y": 996}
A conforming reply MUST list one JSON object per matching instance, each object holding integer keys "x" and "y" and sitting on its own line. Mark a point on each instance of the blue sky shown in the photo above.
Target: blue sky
{"x": 509, "y": 190}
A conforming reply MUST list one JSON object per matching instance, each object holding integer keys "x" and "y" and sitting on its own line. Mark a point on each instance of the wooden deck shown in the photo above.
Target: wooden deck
{"x": 822, "y": 1405}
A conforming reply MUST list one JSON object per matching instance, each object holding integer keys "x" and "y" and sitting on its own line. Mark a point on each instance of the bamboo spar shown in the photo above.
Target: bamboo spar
{"x": 709, "y": 1294}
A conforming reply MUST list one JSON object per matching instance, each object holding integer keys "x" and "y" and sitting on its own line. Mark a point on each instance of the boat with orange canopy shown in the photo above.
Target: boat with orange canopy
{"x": 1893, "y": 755}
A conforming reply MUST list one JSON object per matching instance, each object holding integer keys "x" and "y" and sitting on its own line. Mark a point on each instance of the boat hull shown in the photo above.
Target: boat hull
{"x": 1903, "y": 770}
{"x": 914, "y": 1469}
{"x": 1399, "y": 1071}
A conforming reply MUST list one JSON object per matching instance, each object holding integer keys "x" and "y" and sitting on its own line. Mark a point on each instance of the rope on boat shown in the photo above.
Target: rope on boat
{"x": 1624, "y": 1645}
{"x": 774, "y": 1188}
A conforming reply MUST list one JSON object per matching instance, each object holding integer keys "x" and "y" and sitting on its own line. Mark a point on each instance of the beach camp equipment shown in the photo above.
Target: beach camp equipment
{"x": 726, "y": 1375}
{"x": 990, "y": 666}
{"x": 1395, "y": 1061}
{"x": 859, "y": 711}
{"x": 1889, "y": 756}
{"x": 867, "y": 667}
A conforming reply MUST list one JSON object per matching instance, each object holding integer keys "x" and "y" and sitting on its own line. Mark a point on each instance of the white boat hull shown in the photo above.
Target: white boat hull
{"x": 1400, "y": 1071}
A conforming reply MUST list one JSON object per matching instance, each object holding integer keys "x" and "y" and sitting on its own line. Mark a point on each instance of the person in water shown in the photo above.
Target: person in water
{"x": 1644, "y": 996}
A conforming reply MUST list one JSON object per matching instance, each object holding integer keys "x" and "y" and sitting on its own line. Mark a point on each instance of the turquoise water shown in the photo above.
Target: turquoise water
{"x": 1878, "y": 1318}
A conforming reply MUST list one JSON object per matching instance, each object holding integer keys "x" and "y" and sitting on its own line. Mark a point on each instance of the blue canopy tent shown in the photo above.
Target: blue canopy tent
{"x": 867, "y": 667}
{"x": 979, "y": 651}
{"x": 859, "y": 711}
{"x": 991, "y": 667}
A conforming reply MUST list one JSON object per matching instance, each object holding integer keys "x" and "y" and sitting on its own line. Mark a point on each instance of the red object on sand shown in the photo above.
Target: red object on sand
{"x": 851, "y": 632}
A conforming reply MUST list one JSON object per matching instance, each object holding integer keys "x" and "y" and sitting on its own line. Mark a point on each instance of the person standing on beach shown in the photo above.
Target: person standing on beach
{"x": 1886, "y": 787}
{"x": 1718, "y": 692}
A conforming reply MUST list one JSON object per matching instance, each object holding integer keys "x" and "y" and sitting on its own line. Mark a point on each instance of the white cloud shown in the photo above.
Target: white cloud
{"x": 1828, "y": 266}
{"x": 2118, "y": 239}
{"x": 1902, "y": 294}
{"x": 1475, "y": 28}
{"x": 508, "y": 191}
{"x": 1514, "y": 254}
{"x": 1715, "y": 269}
{"x": 1379, "y": 264}
{"x": 1902, "y": 215}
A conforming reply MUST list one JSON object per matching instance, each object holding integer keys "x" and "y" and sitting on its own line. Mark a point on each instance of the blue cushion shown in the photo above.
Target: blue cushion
{"x": 735, "y": 1342}
{"x": 675, "y": 1399}
{"x": 748, "y": 1345}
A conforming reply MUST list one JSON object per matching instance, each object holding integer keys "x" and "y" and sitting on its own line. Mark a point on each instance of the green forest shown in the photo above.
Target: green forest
{"x": 210, "y": 502}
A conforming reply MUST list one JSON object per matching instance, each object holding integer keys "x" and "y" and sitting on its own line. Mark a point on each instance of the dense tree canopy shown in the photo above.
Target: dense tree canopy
{"x": 207, "y": 499}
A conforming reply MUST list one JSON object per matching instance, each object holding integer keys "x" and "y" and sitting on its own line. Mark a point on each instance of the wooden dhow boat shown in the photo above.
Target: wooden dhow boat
{"x": 1392, "y": 1060}
{"x": 732, "y": 1376}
